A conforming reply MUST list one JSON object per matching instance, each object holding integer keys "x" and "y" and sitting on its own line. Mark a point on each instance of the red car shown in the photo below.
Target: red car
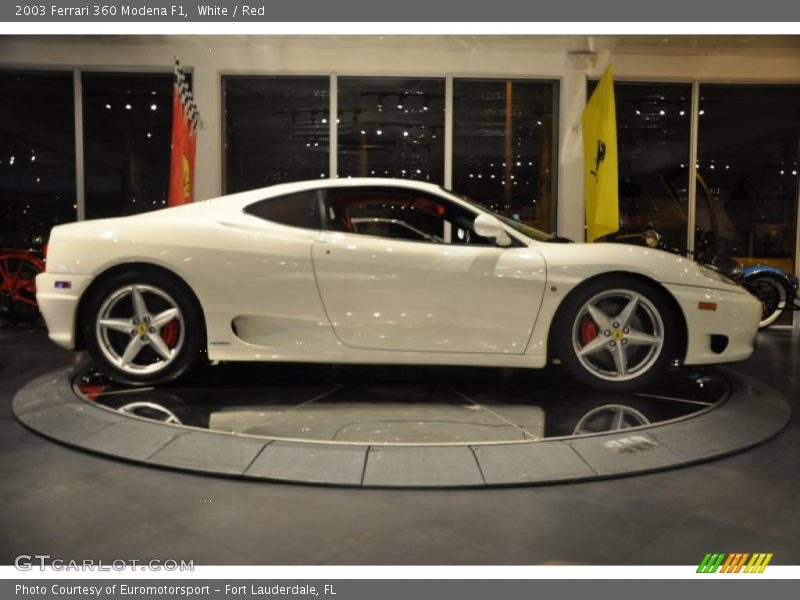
{"x": 18, "y": 270}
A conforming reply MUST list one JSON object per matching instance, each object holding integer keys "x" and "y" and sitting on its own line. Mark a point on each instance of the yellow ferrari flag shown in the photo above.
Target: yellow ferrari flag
{"x": 600, "y": 188}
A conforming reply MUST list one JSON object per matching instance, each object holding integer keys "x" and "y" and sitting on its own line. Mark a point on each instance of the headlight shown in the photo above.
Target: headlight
{"x": 652, "y": 239}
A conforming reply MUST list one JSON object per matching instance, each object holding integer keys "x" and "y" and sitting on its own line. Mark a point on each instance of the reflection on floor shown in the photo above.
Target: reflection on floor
{"x": 403, "y": 405}
{"x": 73, "y": 505}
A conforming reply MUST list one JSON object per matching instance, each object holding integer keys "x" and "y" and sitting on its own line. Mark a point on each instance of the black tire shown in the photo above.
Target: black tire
{"x": 187, "y": 357}
{"x": 563, "y": 328}
{"x": 773, "y": 294}
{"x": 159, "y": 405}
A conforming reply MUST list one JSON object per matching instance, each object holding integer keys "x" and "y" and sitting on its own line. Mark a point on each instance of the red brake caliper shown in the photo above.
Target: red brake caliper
{"x": 92, "y": 391}
{"x": 169, "y": 333}
{"x": 588, "y": 330}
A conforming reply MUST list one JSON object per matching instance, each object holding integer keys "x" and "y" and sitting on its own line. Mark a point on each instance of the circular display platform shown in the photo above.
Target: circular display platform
{"x": 404, "y": 427}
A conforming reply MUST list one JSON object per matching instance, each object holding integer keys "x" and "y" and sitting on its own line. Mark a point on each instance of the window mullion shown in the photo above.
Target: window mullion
{"x": 691, "y": 209}
{"x": 333, "y": 127}
{"x": 80, "y": 185}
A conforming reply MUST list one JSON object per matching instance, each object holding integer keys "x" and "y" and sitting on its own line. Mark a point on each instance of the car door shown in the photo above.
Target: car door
{"x": 398, "y": 269}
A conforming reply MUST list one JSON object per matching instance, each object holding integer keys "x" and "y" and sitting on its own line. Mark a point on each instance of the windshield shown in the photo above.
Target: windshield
{"x": 525, "y": 230}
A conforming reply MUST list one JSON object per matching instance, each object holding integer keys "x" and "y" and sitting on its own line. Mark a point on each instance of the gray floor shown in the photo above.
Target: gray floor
{"x": 70, "y": 504}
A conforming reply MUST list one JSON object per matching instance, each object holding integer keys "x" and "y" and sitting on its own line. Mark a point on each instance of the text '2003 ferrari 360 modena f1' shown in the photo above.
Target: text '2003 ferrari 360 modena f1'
{"x": 378, "y": 271}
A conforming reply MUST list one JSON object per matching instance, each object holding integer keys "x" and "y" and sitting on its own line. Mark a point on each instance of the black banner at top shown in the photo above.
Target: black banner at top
{"x": 187, "y": 11}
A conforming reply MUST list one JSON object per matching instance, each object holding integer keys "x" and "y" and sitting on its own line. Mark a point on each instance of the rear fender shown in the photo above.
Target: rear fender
{"x": 760, "y": 270}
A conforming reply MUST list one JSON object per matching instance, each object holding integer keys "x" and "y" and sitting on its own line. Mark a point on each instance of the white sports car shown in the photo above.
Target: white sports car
{"x": 378, "y": 271}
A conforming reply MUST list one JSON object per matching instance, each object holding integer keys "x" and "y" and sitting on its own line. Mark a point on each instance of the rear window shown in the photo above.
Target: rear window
{"x": 295, "y": 210}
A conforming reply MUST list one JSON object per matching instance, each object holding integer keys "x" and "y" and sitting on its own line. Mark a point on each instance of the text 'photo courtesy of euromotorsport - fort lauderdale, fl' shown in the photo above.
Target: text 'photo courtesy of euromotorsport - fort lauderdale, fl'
{"x": 169, "y": 590}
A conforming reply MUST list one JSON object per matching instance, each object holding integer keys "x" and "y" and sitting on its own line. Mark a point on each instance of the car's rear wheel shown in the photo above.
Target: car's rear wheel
{"x": 143, "y": 328}
{"x": 616, "y": 333}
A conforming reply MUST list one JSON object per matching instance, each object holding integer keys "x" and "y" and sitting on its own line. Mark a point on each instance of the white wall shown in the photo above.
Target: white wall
{"x": 728, "y": 58}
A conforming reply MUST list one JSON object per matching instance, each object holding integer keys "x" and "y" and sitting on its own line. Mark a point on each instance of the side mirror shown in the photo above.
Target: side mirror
{"x": 489, "y": 227}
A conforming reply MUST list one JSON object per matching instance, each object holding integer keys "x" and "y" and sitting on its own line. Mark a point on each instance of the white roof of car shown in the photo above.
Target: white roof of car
{"x": 313, "y": 184}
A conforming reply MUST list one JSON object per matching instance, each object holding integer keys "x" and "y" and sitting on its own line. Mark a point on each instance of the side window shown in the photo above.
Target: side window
{"x": 400, "y": 214}
{"x": 296, "y": 210}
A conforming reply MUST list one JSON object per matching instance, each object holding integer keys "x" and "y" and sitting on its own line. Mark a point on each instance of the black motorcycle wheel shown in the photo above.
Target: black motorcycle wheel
{"x": 772, "y": 294}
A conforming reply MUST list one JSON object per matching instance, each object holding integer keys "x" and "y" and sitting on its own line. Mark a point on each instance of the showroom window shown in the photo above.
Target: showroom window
{"x": 37, "y": 156}
{"x": 127, "y": 127}
{"x": 391, "y": 127}
{"x": 653, "y": 137}
{"x": 295, "y": 210}
{"x": 504, "y": 146}
{"x": 275, "y": 130}
{"x": 747, "y": 195}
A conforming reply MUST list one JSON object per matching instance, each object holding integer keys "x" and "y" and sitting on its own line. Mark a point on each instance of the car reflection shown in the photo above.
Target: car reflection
{"x": 387, "y": 405}
{"x": 150, "y": 410}
{"x": 610, "y": 417}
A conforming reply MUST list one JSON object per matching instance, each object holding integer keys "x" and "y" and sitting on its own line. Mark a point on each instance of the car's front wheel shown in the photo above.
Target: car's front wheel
{"x": 616, "y": 334}
{"x": 143, "y": 328}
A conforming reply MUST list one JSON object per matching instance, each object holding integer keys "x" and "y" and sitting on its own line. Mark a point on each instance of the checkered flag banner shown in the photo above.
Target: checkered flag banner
{"x": 185, "y": 122}
{"x": 186, "y": 96}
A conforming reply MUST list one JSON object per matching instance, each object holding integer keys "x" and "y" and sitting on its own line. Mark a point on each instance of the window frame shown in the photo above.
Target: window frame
{"x": 77, "y": 196}
{"x": 556, "y": 84}
{"x": 231, "y": 75}
{"x": 692, "y": 142}
{"x": 86, "y": 142}
{"x": 336, "y": 146}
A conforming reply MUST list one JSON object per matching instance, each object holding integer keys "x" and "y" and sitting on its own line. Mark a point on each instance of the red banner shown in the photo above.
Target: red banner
{"x": 184, "y": 141}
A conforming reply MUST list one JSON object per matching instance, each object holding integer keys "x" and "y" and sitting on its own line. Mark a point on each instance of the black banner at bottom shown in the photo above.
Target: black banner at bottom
{"x": 385, "y": 589}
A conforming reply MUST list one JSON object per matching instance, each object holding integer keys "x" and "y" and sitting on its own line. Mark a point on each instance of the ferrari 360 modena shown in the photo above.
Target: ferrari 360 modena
{"x": 383, "y": 272}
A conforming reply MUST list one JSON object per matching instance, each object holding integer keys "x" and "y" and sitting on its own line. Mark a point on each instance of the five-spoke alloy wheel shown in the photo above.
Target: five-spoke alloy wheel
{"x": 143, "y": 328}
{"x": 616, "y": 333}
{"x": 140, "y": 327}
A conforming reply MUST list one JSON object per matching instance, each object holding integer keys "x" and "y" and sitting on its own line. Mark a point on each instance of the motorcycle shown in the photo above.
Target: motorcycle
{"x": 777, "y": 291}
